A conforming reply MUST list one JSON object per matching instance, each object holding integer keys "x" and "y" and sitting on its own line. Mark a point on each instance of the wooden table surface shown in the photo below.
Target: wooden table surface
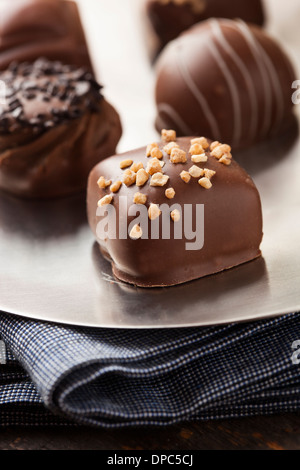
{"x": 259, "y": 433}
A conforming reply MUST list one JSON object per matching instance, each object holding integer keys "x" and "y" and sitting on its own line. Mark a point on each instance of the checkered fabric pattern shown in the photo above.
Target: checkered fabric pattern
{"x": 113, "y": 378}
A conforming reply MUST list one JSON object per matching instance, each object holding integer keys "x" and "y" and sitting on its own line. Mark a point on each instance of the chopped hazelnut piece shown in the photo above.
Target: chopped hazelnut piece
{"x": 169, "y": 147}
{"x": 103, "y": 183}
{"x": 136, "y": 167}
{"x": 225, "y": 160}
{"x": 149, "y": 149}
{"x": 209, "y": 173}
{"x": 205, "y": 183}
{"x": 199, "y": 158}
{"x": 126, "y": 164}
{"x": 105, "y": 200}
{"x": 175, "y": 215}
{"x": 116, "y": 186}
{"x": 162, "y": 164}
{"x": 154, "y": 211}
{"x": 156, "y": 153}
{"x": 196, "y": 149}
{"x": 129, "y": 177}
{"x": 201, "y": 141}
{"x": 170, "y": 193}
{"x": 221, "y": 150}
{"x": 196, "y": 172}
{"x": 136, "y": 232}
{"x": 178, "y": 156}
{"x": 185, "y": 176}
{"x": 168, "y": 135}
{"x": 158, "y": 179}
{"x": 140, "y": 198}
{"x": 153, "y": 166}
{"x": 215, "y": 144}
{"x": 141, "y": 177}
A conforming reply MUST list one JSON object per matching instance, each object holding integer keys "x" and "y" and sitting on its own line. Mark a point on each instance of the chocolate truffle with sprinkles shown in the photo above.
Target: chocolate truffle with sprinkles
{"x": 225, "y": 79}
{"x": 54, "y": 126}
{"x": 137, "y": 192}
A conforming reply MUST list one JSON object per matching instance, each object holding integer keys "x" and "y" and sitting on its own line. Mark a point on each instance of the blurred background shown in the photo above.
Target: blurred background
{"x": 116, "y": 33}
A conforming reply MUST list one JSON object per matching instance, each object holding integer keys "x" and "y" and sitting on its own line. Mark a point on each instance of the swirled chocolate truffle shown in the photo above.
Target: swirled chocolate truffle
{"x": 169, "y": 18}
{"x": 54, "y": 126}
{"x": 198, "y": 211}
{"x": 228, "y": 80}
{"x": 30, "y": 29}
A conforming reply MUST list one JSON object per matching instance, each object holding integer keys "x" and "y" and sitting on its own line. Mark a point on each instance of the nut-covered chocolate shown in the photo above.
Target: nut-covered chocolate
{"x": 227, "y": 80}
{"x": 30, "y": 29}
{"x": 169, "y": 18}
{"x": 54, "y": 126}
{"x": 232, "y": 223}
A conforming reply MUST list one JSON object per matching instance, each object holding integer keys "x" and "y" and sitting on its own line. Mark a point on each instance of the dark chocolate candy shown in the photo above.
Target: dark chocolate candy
{"x": 169, "y": 18}
{"x": 227, "y": 80}
{"x": 232, "y": 220}
{"x": 30, "y": 29}
{"x": 54, "y": 126}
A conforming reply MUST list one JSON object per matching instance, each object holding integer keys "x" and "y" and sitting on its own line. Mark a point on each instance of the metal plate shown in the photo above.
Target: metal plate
{"x": 51, "y": 269}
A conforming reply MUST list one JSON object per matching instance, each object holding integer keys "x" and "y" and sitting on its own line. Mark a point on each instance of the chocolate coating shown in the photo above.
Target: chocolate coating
{"x": 54, "y": 126}
{"x": 169, "y": 18}
{"x": 232, "y": 226}
{"x": 30, "y": 29}
{"x": 227, "y": 80}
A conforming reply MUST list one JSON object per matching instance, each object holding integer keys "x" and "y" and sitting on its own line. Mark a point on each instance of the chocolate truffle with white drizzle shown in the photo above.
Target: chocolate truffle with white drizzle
{"x": 225, "y": 79}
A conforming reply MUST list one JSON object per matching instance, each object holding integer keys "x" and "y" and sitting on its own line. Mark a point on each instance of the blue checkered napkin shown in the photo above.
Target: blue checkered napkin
{"x": 20, "y": 403}
{"x": 118, "y": 378}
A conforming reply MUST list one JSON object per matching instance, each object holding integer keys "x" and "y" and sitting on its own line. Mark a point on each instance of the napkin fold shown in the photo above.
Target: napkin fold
{"x": 117, "y": 378}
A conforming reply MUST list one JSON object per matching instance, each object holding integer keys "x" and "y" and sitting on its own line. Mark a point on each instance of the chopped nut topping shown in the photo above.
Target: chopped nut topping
{"x": 140, "y": 198}
{"x": 185, "y": 176}
{"x": 103, "y": 183}
{"x": 213, "y": 145}
{"x": 126, "y": 164}
{"x": 221, "y": 150}
{"x": 196, "y": 172}
{"x": 201, "y": 141}
{"x": 158, "y": 179}
{"x": 150, "y": 147}
{"x": 225, "y": 160}
{"x": 156, "y": 153}
{"x": 105, "y": 200}
{"x": 136, "y": 167}
{"x": 141, "y": 177}
{"x": 170, "y": 193}
{"x": 175, "y": 215}
{"x": 153, "y": 166}
{"x": 199, "y": 158}
{"x": 129, "y": 177}
{"x": 116, "y": 186}
{"x": 162, "y": 164}
{"x": 168, "y": 135}
{"x": 169, "y": 147}
{"x": 154, "y": 211}
{"x": 205, "y": 183}
{"x": 196, "y": 149}
{"x": 178, "y": 156}
{"x": 209, "y": 173}
{"x": 136, "y": 232}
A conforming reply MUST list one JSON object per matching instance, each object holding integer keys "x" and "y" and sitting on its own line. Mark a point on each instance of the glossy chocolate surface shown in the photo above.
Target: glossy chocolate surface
{"x": 30, "y": 29}
{"x": 232, "y": 221}
{"x": 227, "y": 80}
{"x": 169, "y": 18}
{"x": 54, "y": 126}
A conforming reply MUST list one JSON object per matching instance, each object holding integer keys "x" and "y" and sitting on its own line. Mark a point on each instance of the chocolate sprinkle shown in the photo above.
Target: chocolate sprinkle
{"x": 63, "y": 92}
